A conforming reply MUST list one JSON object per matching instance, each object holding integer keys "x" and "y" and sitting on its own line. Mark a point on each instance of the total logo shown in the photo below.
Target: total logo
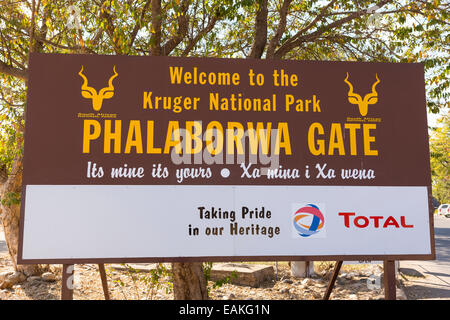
{"x": 351, "y": 220}
{"x": 308, "y": 220}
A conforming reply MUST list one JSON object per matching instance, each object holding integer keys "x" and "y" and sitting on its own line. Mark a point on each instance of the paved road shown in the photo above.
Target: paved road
{"x": 436, "y": 283}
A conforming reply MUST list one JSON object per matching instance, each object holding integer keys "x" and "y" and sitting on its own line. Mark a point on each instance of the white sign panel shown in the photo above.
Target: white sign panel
{"x": 110, "y": 222}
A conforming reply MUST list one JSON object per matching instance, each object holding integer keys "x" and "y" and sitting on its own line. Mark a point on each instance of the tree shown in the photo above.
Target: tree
{"x": 405, "y": 31}
{"x": 440, "y": 155}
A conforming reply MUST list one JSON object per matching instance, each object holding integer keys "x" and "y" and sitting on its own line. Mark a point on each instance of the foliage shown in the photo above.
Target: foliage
{"x": 405, "y": 31}
{"x": 440, "y": 157}
{"x": 145, "y": 284}
{"x": 12, "y": 97}
{"x": 207, "y": 267}
{"x": 10, "y": 199}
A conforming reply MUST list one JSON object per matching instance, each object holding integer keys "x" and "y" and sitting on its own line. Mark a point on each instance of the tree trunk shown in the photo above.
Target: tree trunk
{"x": 10, "y": 194}
{"x": 189, "y": 282}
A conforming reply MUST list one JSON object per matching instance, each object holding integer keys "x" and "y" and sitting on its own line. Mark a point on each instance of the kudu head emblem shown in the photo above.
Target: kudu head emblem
{"x": 104, "y": 93}
{"x": 370, "y": 98}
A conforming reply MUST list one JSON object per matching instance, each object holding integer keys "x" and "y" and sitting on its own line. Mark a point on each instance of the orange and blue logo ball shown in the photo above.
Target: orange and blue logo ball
{"x": 316, "y": 223}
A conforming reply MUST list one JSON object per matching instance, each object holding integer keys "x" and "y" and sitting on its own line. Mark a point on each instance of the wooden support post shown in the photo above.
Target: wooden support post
{"x": 390, "y": 287}
{"x": 101, "y": 268}
{"x": 337, "y": 268}
{"x": 276, "y": 270}
{"x": 67, "y": 282}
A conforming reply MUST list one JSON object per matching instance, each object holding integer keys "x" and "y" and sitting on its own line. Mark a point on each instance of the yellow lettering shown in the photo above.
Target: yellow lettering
{"x": 218, "y": 138}
{"x": 336, "y": 140}
{"x": 261, "y": 133}
{"x": 193, "y": 136}
{"x": 352, "y": 127}
{"x": 175, "y": 75}
{"x": 313, "y": 142}
{"x": 289, "y": 100}
{"x": 369, "y": 139}
{"x": 134, "y": 138}
{"x": 114, "y": 136}
{"x": 88, "y": 136}
{"x": 173, "y": 129}
{"x": 150, "y": 138}
{"x": 235, "y": 138}
{"x": 283, "y": 132}
{"x": 147, "y": 100}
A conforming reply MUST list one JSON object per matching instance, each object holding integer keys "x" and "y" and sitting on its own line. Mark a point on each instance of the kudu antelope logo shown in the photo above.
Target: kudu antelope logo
{"x": 363, "y": 104}
{"x": 104, "y": 93}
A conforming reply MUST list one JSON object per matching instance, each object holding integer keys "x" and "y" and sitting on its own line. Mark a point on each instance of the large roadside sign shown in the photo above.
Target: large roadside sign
{"x": 182, "y": 159}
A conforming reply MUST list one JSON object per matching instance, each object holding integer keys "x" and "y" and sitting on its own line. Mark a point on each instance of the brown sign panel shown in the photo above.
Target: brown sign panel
{"x": 193, "y": 129}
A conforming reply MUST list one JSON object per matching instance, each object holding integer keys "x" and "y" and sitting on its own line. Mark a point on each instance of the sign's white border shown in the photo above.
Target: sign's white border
{"x": 125, "y": 221}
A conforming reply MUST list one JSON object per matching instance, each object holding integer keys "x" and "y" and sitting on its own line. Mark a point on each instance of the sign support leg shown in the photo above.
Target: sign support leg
{"x": 337, "y": 268}
{"x": 390, "y": 289}
{"x": 101, "y": 268}
{"x": 67, "y": 282}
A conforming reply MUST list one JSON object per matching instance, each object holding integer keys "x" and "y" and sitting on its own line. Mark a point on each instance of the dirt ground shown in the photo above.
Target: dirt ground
{"x": 126, "y": 285}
